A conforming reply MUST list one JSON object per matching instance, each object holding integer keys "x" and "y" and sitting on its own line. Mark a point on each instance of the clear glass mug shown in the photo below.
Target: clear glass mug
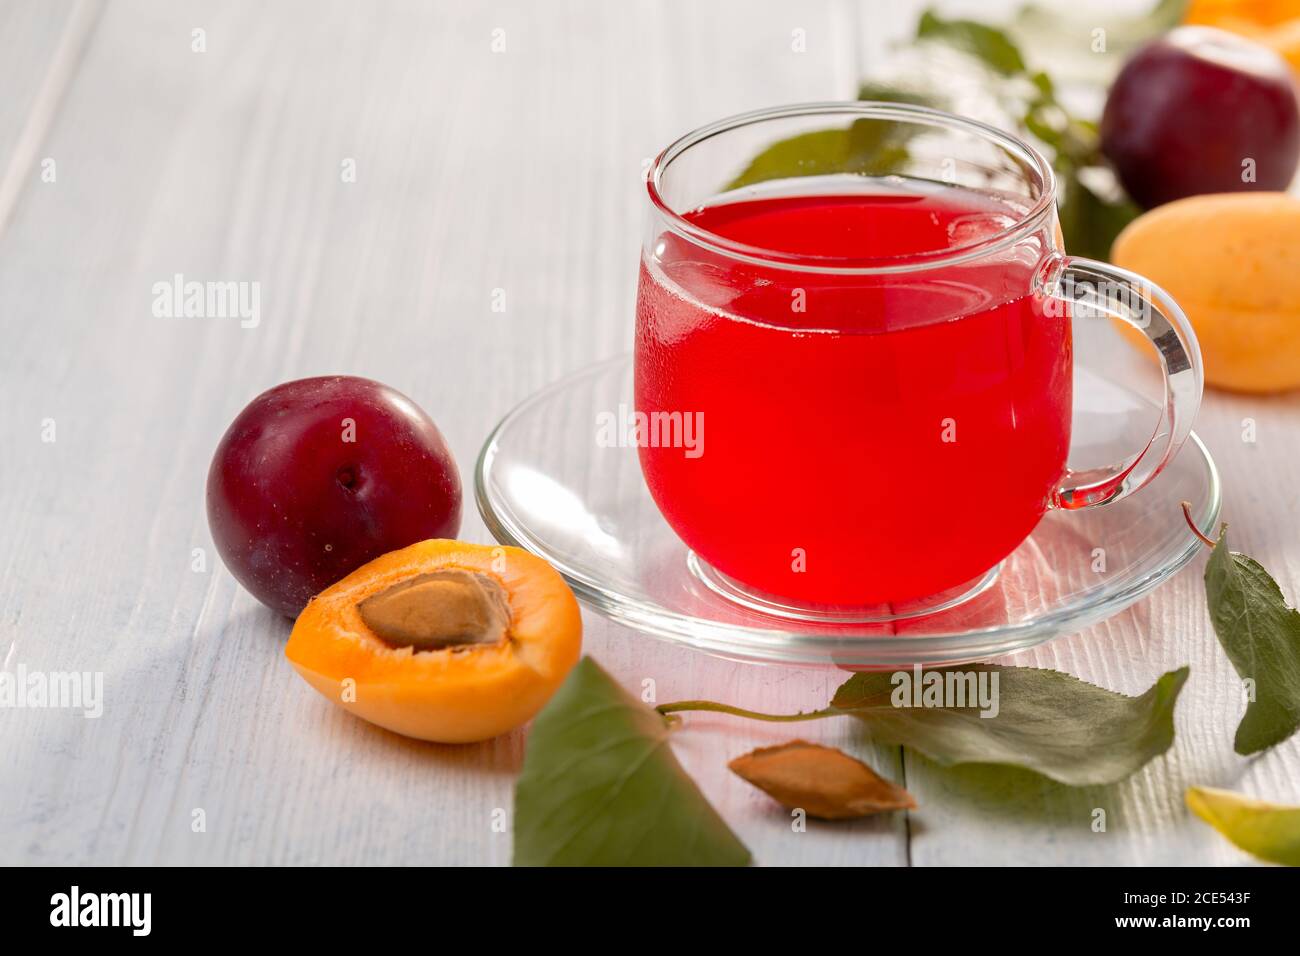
{"x": 853, "y": 367}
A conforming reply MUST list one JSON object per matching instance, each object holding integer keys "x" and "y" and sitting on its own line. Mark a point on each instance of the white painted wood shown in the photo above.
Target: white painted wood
{"x": 476, "y": 171}
{"x": 42, "y": 46}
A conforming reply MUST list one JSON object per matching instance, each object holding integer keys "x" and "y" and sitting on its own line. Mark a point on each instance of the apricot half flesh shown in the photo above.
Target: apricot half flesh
{"x": 442, "y": 640}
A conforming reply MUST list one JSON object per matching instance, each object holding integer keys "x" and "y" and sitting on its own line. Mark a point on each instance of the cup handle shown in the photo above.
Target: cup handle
{"x": 1086, "y": 287}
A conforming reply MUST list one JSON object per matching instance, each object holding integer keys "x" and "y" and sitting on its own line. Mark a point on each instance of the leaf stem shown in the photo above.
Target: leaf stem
{"x": 1187, "y": 514}
{"x": 681, "y": 705}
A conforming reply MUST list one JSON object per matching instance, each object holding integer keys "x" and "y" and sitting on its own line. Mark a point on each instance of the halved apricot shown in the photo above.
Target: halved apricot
{"x": 442, "y": 640}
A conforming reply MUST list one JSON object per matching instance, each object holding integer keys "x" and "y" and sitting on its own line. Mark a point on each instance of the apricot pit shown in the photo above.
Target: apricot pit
{"x": 441, "y": 609}
{"x": 442, "y": 640}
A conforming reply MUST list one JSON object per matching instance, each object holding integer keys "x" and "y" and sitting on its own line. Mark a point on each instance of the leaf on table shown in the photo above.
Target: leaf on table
{"x": 865, "y": 147}
{"x": 601, "y": 787}
{"x": 1051, "y": 723}
{"x": 1261, "y": 636}
{"x": 1266, "y": 830}
{"x": 824, "y": 782}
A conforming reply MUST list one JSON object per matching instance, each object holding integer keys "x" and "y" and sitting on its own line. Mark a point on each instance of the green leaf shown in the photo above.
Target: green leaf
{"x": 864, "y": 147}
{"x": 888, "y": 93}
{"x": 808, "y": 154}
{"x": 991, "y": 46}
{"x": 1090, "y": 222}
{"x": 1261, "y": 636}
{"x": 1268, "y": 831}
{"x": 1166, "y": 15}
{"x": 1051, "y": 723}
{"x": 1068, "y": 40}
{"x": 600, "y": 787}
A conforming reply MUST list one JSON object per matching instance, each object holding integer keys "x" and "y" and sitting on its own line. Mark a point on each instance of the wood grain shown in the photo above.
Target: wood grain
{"x": 43, "y": 43}
{"x": 476, "y": 171}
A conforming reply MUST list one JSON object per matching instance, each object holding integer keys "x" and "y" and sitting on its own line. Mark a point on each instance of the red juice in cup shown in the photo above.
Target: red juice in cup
{"x": 864, "y": 312}
{"x": 866, "y": 437}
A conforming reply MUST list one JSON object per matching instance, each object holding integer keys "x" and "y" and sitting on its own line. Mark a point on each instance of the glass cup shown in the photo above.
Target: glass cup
{"x": 854, "y": 355}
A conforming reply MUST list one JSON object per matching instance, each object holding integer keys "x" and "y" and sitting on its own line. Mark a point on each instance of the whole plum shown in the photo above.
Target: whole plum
{"x": 316, "y": 477}
{"x": 1201, "y": 110}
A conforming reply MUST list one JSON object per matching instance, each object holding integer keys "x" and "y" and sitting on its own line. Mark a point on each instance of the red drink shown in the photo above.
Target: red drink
{"x": 868, "y": 438}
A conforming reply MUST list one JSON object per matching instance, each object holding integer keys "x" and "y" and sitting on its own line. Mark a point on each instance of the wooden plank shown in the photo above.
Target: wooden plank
{"x": 475, "y": 171}
{"x": 40, "y": 45}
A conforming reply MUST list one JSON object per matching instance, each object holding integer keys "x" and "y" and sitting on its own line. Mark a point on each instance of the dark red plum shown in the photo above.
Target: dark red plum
{"x": 316, "y": 477}
{"x": 1189, "y": 109}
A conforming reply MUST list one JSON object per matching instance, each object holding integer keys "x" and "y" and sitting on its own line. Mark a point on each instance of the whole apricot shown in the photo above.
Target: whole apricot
{"x": 1230, "y": 261}
{"x": 318, "y": 476}
{"x": 442, "y": 640}
{"x": 1273, "y": 23}
{"x": 1217, "y": 13}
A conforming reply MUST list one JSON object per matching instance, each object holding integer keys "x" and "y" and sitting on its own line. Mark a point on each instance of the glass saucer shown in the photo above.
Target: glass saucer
{"x": 545, "y": 482}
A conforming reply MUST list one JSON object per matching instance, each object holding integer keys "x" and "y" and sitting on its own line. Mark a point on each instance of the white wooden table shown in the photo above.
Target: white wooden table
{"x": 476, "y": 171}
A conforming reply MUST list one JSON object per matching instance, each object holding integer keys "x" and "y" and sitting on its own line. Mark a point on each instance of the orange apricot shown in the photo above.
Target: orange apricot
{"x": 1216, "y": 13}
{"x": 1274, "y": 23}
{"x": 1230, "y": 260}
{"x": 442, "y": 640}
